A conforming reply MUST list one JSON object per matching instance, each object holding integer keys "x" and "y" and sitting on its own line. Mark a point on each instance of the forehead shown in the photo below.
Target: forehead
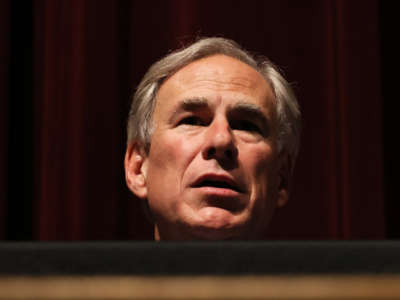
{"x": 216, "y": 77}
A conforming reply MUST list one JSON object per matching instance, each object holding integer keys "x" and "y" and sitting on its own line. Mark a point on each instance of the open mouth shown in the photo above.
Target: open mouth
{"x": 222, "y": 183}
{"x": 222, "y": 192}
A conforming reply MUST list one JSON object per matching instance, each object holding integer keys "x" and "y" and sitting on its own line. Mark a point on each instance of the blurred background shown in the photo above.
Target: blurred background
{"x": 69, "y": 68}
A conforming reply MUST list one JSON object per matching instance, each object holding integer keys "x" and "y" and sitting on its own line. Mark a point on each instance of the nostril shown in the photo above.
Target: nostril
{"x": 211, "y": 152}
{"x": 214, "y": 152}
{"x": 229, "y": 153}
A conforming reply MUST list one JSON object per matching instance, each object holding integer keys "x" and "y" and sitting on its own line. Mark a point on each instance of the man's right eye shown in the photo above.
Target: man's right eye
{"x": 192, "y": 120}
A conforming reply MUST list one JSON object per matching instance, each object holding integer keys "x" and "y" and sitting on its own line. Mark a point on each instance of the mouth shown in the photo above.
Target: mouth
{"x": 217, "y": 182}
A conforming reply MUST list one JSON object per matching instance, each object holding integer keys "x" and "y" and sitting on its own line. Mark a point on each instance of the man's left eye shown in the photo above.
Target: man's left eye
{"x": 246, "y": 125}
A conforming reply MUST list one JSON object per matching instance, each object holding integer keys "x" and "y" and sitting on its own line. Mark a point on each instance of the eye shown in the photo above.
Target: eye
{"x": 246, "y": 125}
{"x": 192, "y": 121}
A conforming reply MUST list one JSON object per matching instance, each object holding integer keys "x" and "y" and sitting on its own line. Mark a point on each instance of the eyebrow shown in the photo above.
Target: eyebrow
{"x": 190, "y": 104}
{"x": 251, "y": 110}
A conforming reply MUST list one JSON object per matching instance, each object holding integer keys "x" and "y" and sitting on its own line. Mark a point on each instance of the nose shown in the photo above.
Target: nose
{"x": 220, "y": 142}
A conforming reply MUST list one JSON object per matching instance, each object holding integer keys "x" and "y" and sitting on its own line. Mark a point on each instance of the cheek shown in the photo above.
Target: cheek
{"x": 169, "y": 156}
{"x": 163, "y": 174}
{"x": 263, "y": 165}
{"x": 267, "y": 167}
{"x": 166, "y": 169}
{"x": 262, "y": 160}
{"x": 163, "y": 152}
{"x": 265, "y": 187}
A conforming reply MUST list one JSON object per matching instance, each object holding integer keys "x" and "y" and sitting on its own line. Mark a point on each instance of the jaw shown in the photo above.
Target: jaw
{"x": 210, "y": 223}
{"x": 201, "y": 217}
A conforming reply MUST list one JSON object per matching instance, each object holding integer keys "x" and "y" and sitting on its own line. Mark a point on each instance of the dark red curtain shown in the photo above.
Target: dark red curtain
{"x": 4, "y": 58}
{"x": 89, "y": 56}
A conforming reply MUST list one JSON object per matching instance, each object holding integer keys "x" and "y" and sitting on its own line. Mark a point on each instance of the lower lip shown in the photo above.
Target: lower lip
{"x": 220, "y": 192}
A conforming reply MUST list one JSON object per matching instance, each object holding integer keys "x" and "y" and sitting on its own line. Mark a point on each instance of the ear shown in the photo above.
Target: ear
{"x": 285, "y": 176}
{"x": 135, "y": 170}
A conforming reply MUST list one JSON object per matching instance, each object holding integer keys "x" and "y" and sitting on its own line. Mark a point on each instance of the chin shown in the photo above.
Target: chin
{"x": 210, "y": 224}
{"x": 206, "y": 233}
{"x": 212, "y": 234}
{"x": 218, "y": 229}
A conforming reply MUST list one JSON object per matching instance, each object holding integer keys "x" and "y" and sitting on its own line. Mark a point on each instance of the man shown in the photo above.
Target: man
{"x": 213, "y": 135}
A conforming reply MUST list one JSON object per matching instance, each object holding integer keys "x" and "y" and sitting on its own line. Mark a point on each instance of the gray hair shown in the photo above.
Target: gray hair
{"x": 143, "y": 102}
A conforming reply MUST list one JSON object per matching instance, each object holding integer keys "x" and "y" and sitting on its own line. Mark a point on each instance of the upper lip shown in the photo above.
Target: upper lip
{"x": 210, "y": 178}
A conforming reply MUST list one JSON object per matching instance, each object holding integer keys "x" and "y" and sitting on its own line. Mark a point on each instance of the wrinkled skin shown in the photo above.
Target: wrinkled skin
{"x": 213, "y": 171}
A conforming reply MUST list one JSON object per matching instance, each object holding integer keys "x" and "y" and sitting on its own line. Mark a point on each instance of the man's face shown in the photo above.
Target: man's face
{"x": 213, "y": 171}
